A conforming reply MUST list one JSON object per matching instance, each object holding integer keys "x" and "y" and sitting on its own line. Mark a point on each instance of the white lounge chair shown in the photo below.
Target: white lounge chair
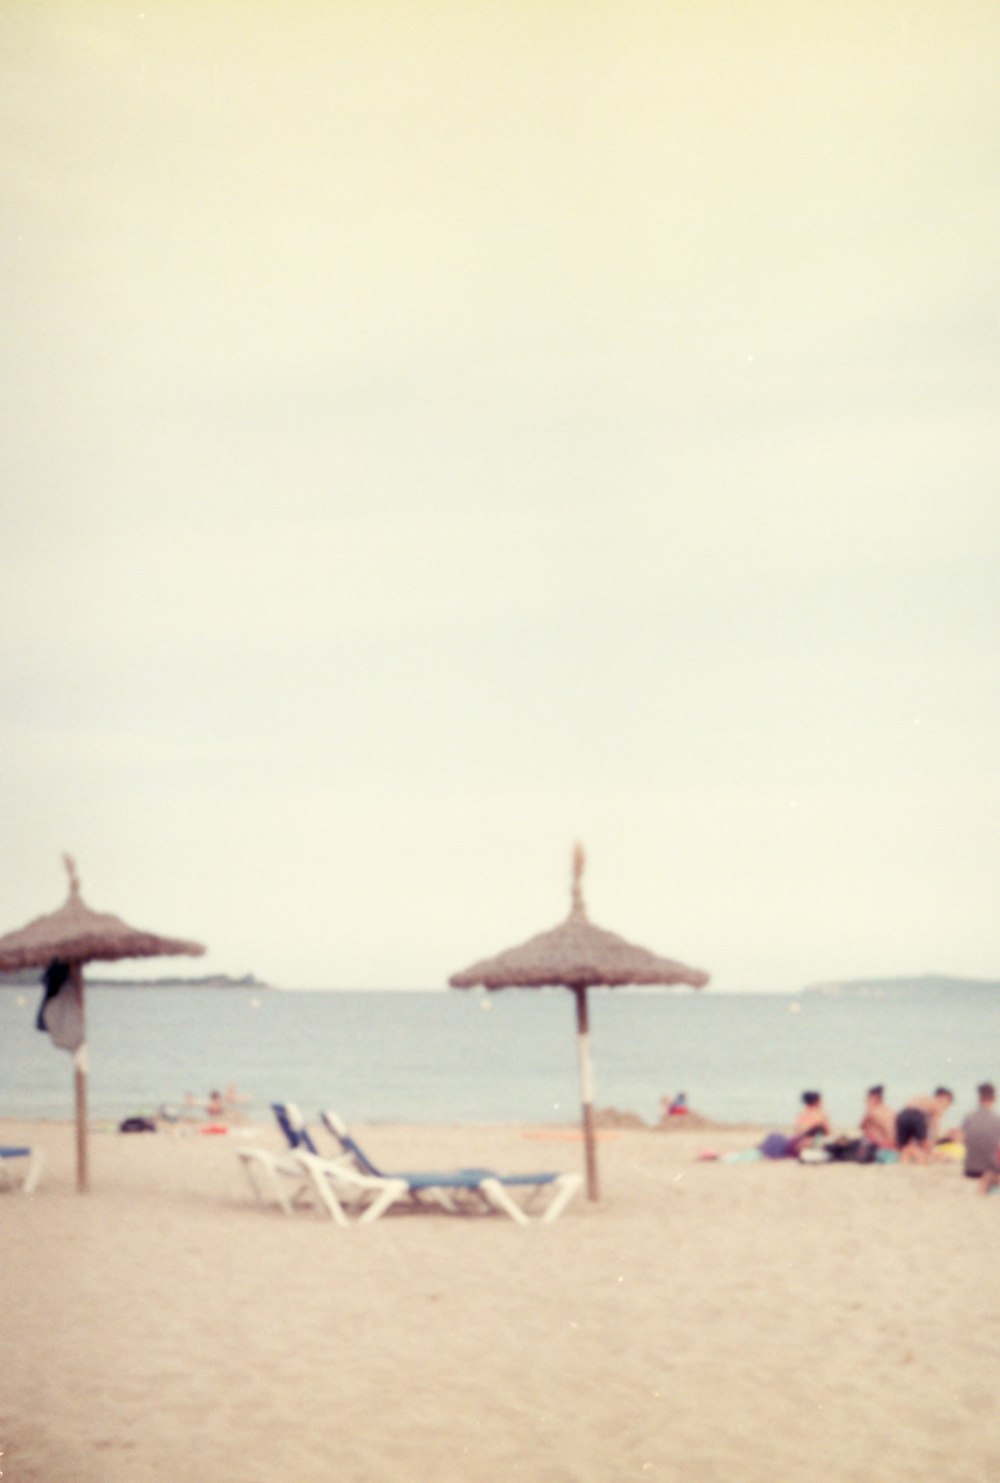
{"x": 337, "y": 1183}
{"x": 11, "y": 1156}
{"x": 280, "y": 1179}
{"x": 483, "y": 1186}
{"x": 331, "y": 1186}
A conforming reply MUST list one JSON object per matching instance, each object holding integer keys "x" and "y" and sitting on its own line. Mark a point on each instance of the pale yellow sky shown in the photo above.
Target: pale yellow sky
{"x": 433, "y": 431}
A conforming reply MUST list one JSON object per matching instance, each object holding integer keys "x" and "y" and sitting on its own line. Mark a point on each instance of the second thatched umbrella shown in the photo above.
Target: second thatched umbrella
{"x": 579, "y": 956}
{"x": 62, "y": 942}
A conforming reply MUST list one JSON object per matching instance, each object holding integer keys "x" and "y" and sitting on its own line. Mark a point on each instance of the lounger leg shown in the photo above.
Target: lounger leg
{"x": 328, "y": 1201}
{"x": 247, "y": 1162}
{"x": 36, "y": 1166}
{"x": 498, "y": 1196}
{"x": 566, "y": 1187}
{"x": 322, "y": 1188}
{"x": 256, "y": 1166}
{"x": 438, "y": 1197}
{"x": 398, "y": 1189}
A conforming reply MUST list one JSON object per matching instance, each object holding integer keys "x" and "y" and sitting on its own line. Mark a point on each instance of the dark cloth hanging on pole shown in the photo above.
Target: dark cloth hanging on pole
{"x": 59, "y": 1013}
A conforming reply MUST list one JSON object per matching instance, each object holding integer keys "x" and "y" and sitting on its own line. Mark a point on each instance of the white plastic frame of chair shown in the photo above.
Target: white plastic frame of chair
{"x": 267, "y": 1173}
{"x": 336, "y": 1182}
{"x": 33, "y": 1172}
{"x": 564, "y": 1187}
{"x": 491, "y": 1189}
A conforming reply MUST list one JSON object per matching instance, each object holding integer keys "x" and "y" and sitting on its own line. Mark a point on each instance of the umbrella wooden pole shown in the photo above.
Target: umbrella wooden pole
{"x": 586, "y": 1090}
{"x": 80, "y": 1079}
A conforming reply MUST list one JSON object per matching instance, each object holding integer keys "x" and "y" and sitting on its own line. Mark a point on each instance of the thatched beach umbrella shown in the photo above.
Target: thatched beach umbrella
{"x": 72, "y": 936}
{"x": 578, "y": 956}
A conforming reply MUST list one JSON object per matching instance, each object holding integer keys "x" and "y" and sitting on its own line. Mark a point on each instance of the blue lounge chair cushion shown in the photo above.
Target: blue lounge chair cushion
{"x": 296, "y": 1132}
{"x": 417, "y": 1181}
{"x": 454, "y": 1179}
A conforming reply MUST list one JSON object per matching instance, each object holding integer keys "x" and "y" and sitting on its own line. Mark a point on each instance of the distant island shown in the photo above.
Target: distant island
{"x": 31, "y": 977}
{"x": 864, "y": 988}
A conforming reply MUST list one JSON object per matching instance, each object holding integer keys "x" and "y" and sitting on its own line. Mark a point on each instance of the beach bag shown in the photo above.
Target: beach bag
{"x": 137, "y": 1125}
{"x": 851, "y": 1151}
{"x": 777, "y": 1146}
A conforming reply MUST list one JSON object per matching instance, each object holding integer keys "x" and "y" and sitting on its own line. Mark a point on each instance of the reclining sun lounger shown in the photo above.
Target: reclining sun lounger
{"x": 333, "y": 1182}
{"x": 278, "y": 1179}
{"x": 483, "y": 1187}
{"x": 32, "y": 1169}
{"x": 338, "y": 1183}
{"x": 293, "y": 1125}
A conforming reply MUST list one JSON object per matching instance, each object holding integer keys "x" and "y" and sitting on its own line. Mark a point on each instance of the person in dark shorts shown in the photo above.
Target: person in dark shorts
{"x": 981, "y": 1132}
{"x": 918, "y": 1126}
{"x": 911, "y": 1127}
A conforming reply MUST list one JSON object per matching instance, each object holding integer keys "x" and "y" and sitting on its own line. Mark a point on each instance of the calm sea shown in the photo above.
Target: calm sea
{"x": 508, "y": 1057}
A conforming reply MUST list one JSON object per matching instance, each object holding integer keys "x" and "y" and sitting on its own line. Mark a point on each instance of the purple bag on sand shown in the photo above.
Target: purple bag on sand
{"x": 777, "y": 1146}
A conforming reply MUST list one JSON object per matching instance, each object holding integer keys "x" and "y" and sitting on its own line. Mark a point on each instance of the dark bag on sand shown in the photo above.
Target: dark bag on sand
{"x": 137, "y": 1125}
{"x": 851, "y": 1151}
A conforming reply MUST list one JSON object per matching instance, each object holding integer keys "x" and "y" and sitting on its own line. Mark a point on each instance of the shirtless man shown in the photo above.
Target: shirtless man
{"x": 918, "y": 1126}
{"x": 813, "y": 1118}
{"x": 981, "y": 1130}
{"x": 879, "y": 1121}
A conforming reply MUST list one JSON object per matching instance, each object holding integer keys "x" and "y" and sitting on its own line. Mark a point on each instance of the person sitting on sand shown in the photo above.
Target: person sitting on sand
{"x": 215, "y": 1106}
{"x": 813, "y": 1118}
{"x": 673, "y": 1106}
{"x": 878, "y": 1122}
{"x": 918, "y": 1126}
{"x": 981, "y": 1131}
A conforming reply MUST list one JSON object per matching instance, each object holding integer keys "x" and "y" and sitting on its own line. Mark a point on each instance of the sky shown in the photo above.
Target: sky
{"x": 433, "y": 433}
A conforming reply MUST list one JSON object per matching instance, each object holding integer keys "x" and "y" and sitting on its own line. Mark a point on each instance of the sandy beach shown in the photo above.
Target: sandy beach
{"x": 765, "y": 1322}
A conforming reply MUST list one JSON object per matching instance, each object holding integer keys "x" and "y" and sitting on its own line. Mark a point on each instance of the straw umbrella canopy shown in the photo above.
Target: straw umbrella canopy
{"x": 578, "y": 955}
{"x": 76, "y": 935}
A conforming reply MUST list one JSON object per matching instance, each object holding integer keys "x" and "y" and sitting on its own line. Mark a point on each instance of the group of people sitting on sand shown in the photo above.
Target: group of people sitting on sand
{"x": 915, "y": 1134}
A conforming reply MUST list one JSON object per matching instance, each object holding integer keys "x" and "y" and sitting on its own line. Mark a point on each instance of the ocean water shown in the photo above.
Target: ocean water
{"x": 506, "y": 1057}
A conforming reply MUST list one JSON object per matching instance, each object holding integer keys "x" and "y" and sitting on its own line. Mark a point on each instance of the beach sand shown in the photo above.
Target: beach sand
{"x": 706, "y": 1322}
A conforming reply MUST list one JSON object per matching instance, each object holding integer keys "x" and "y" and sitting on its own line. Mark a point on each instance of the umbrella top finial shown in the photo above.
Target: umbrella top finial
{"x": 579, "y": 861}
{"x": 74, "y": 879}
